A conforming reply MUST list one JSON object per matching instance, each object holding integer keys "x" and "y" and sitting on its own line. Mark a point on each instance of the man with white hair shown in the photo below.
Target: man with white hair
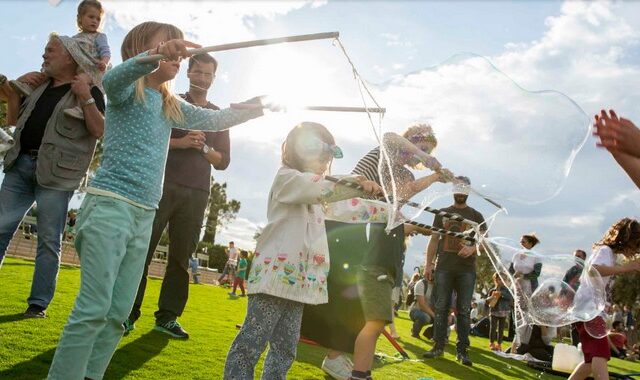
{"x": 50, "y": 158}
{"x": 455, "y": 270}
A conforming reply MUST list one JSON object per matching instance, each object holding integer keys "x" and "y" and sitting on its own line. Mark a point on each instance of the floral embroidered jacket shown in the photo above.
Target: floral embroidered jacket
{"x": 292, "y": 255}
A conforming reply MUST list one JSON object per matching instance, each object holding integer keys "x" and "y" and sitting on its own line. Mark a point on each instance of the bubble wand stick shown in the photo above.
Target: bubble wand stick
{"x": 246, "y": 44}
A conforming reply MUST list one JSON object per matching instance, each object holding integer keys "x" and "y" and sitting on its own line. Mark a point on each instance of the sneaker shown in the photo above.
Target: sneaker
{"x": 435, "y": 352}
{"x": 172, "y": 328}
{"x": 339, "y": 368}
{"x": 128, "y": 326}
{"x": 232, "y": 294}
{"x": 75, "y": 112}
{"x": 35, "y": 311}
{"x": 463, "y": 357}
{"x": 21, "y": 88}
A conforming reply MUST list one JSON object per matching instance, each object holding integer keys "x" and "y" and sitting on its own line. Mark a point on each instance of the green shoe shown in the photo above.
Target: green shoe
{"x": 128, "y": 326}
{"x": 172, "y": 328}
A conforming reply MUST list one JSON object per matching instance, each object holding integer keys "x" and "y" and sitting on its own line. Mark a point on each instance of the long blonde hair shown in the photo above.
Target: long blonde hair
{"x": 137, "y": 41}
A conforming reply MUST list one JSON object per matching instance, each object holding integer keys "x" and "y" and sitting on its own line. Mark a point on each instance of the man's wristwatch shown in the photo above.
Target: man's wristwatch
{"x": 205, "y": 149}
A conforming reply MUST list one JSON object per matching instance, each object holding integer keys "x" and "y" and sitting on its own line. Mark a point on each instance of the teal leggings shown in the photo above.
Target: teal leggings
{"x": 112, "y": 240}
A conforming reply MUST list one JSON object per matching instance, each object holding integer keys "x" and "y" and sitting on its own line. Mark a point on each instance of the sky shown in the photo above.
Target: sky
{"x": 529, "y": 150}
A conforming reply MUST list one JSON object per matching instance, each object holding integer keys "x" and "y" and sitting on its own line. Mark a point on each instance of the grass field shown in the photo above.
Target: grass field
{"x": 27, "y": 345}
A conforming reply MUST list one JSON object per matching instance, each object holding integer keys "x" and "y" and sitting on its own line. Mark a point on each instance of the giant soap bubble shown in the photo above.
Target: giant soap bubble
{"x": 514, "y": 144}
{"x": 568, "y": 290}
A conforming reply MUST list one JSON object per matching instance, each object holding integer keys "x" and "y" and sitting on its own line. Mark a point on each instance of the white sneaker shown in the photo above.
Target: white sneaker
{"x": 339, "y": 368}
{"x": 21, "y": 88}
{"x": 75, "y": 112}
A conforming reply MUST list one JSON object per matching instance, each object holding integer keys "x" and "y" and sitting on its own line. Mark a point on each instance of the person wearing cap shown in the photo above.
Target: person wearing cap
{"x": 185, "y": 195}
{"x": 50, "y": 158}
{"x": 455, "y": 270}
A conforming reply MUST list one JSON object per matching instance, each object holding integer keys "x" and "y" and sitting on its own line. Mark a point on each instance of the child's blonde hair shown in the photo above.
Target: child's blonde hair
{"x": 136, "y": 42}
{"x": 291, "y": 155}
{"x": 84, "y": 6}
{"x": 622, "y": 237}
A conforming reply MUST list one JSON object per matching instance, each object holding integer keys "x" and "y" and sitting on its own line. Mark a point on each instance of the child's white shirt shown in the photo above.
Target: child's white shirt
{"x": 292, "y": 255}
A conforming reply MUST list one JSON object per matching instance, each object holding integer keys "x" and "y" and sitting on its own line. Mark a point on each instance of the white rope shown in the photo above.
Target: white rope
{"x": 383, "y": 150}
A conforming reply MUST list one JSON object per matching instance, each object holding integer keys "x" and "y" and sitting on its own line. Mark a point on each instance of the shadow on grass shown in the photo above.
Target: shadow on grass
{"x": 11, "y": 318}
{"x": 34, "y": 368}
{"x": 135, "y": 354}
{"x": 22, "y": 263}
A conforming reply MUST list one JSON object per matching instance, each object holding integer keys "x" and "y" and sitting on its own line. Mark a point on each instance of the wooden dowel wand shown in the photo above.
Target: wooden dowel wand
{"x": 246, "y": 44}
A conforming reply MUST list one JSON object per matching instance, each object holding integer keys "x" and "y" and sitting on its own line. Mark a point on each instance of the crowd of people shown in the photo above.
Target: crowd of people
{"x": 155, "y": 173}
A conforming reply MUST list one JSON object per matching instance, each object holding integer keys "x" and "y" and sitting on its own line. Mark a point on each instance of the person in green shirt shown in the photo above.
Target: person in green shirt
{"x": 241, "y": 273}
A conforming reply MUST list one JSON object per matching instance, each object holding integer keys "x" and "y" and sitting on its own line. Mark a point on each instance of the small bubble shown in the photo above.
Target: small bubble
{"x": 345, "y": 266}
{"x": 337, "y": 240}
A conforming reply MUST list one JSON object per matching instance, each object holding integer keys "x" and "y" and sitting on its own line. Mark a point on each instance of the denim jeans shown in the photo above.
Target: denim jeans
{"x": 420, "y": 319}
{"x": 464, "y": 284}
{"x": 18, "y": 192}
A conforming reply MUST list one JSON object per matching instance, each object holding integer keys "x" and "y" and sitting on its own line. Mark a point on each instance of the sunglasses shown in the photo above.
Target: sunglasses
{"x": 422, "y": 138}
{"x": 317, "y": 147}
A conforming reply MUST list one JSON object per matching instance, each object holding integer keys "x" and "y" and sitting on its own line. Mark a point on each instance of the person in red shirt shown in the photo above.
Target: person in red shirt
{"x": 618, "y": 341}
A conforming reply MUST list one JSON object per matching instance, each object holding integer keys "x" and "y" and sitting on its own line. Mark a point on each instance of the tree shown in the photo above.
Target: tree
{"x": 626, "y": 288}
{"x": 3, "y": 113}
{"x": 219, "y": 211}
{"x": 484, "y": 274}
{"x": 257, "y": 234}
{"x": 97, "y": 158}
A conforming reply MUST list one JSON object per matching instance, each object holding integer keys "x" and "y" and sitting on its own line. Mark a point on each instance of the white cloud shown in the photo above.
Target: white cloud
{"x": 395, "y": 40}
{"x": 213, "y": 22}
{"x": 241, "y": 232}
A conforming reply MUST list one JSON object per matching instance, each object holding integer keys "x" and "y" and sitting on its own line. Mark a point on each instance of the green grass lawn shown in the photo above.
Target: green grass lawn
{"x": 27, "y": 345}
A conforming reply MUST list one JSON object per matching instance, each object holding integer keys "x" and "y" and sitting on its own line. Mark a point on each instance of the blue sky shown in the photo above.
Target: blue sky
{"x": 588, "y": 51}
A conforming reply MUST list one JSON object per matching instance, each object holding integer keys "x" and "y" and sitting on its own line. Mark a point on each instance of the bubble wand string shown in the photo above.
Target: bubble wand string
{"x": 435, "y": 211}
{"x": 468, "y": 237}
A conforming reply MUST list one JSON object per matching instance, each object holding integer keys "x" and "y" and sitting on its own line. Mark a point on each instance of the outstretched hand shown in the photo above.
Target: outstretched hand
{"x": 617, "y": 134}
{"x": 259, "y": 102}
{"x": 176, "y": 49}
{"x": 370, "y": 187}
{"x": 445, "y": 175}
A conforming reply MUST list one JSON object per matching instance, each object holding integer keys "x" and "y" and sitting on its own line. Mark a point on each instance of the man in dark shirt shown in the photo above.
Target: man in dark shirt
{"x": 50, "y": 158}
{"x": 185, "y": 195}
{"x": 455, "y": 270}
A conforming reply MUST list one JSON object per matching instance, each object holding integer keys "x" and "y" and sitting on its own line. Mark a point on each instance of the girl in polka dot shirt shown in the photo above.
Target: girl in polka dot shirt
{"x": 115, "y": 220}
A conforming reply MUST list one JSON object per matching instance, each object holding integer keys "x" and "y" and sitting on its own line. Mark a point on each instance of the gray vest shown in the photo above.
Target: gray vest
{"x": 66, "y": 149}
